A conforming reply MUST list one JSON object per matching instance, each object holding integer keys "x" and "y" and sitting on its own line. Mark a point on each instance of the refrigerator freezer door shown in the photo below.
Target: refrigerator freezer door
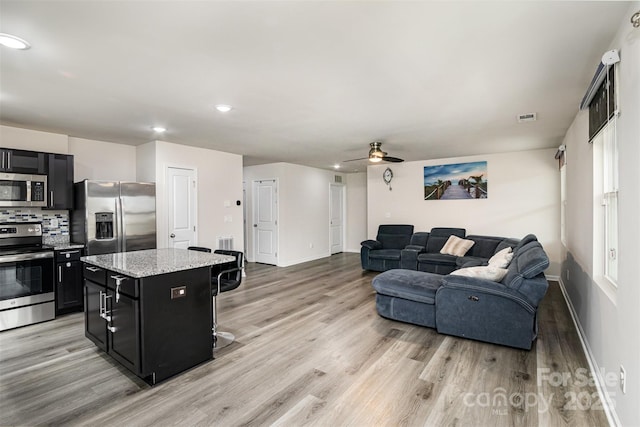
{"x": 101, "y": 197}
{"x": 138, "y": 207}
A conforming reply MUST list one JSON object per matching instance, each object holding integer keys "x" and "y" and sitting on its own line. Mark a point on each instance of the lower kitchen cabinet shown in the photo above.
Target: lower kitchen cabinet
{"x": 94, "y": 322}
{"x": 68, "y": 289}
{"x": 155, "y": 326}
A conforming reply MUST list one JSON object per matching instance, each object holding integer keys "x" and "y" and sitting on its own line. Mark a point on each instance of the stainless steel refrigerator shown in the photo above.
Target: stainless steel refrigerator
{"x": 114, "y": 216}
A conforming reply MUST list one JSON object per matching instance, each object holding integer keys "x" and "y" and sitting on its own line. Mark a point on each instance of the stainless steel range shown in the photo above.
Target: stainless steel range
{"x": 26, "y": 276}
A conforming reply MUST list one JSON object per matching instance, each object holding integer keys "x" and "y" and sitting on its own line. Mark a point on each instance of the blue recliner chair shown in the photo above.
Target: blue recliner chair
{"x": 383, "y": 253}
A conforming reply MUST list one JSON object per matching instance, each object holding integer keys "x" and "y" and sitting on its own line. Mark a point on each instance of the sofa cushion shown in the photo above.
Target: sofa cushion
{"x": 502, "y": 258}
{"x": 394, "y": 236}
{"x": 488, "y": 272}
{"x": 485, "y": 246}
{"x": 420, "y": 238}
{"x": 385, "y": 254}
{"x": 394, "y": 241}
{"x": 507, "y": 243}
{"x": 456, "y": 246}
{"x": 408, "y": 284}
{"x": 525, "y": 240}
{"x": 470, "y": 261}
{"x": 529, "y": 261}
{"x": 438, "y": 258}
{"x": 439, "y": 236}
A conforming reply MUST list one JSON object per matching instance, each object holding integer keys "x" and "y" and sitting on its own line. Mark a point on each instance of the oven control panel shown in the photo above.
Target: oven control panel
{"x": 26, "y": 229}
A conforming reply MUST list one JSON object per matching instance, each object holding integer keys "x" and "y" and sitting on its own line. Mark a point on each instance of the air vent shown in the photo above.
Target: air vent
{"x": 337, "y": 179}
{"x": 527, "y": 117}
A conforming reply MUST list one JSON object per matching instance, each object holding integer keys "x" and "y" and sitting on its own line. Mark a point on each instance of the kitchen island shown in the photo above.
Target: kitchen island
{"x": 151, "y": 310}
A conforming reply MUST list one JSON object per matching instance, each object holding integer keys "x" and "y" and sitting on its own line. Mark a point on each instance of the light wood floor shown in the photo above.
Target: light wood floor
{"x": 310, "y": 350}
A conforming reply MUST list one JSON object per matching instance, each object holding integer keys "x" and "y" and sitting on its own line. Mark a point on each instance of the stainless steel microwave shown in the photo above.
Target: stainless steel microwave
{"x": 19, "y": 190}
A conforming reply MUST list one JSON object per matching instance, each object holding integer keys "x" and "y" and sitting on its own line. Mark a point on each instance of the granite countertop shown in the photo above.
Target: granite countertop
{"x": 152, "y": 262}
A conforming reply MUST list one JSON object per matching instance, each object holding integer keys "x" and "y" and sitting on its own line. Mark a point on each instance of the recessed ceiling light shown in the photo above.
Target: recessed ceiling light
{"x": 224, "y": 108}
{"x": 336, "y": 166}
{"x": 13, "y": 42}
{"x": 159, "y": 129}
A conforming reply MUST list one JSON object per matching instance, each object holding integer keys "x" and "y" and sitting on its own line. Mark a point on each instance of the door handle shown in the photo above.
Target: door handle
{"x": 255, "y": 225}
{"x": 172, "y": 235}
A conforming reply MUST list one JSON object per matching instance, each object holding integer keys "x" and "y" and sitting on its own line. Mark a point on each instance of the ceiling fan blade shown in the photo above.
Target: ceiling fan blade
{"x": 392, "y": 159}
{"x": 355, "y": 160}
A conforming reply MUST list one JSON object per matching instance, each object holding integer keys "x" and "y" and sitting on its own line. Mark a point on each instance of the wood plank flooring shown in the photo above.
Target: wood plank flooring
{"x": 310, "y": 350}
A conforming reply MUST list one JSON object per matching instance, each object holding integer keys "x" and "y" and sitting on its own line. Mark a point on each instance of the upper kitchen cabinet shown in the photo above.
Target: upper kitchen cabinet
{"x": 60, "y": 181}
{"x": 22, "y": 161}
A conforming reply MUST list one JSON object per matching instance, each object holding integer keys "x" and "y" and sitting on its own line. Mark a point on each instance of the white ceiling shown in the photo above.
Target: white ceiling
{"x": 311, "y": 82}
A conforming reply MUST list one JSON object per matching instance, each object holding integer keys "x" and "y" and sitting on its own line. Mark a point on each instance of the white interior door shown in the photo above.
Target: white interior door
{"x": 337, "y": 218}
{"x": 182, "y": 206}
{"x": 265, "y": 221}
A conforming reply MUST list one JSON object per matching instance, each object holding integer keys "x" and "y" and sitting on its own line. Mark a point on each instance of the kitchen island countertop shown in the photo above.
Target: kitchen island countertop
{"x": 153, "y": 262}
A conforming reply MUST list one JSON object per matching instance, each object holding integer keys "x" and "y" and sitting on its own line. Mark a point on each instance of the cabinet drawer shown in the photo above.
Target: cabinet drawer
{"x": 68, "y": 255}
{"x": 95, "y": 274}
{"x": 128, "y": 285}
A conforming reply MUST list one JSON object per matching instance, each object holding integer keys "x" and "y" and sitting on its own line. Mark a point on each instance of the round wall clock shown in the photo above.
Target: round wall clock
{"x": 387, "y": 175}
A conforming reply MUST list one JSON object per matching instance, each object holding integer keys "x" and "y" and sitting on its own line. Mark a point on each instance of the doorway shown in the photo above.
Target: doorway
{"x": 265, "y": 221}
{"x": 337, "y": 218}
{"x": 182, "y": 207}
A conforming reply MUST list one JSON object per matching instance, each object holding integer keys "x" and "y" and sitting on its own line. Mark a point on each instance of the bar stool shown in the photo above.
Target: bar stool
{"x": 224, "y": 277}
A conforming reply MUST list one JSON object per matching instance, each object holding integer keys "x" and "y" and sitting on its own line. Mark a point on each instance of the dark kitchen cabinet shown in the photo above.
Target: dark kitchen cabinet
{"x": 112, "y": 315}
{"x": 94, "y": 309}
{"x": 69, "y": 296}
{"x": 124, "y": 329}
{"x": 60, "y": 181}
{"x": 155, "y": 326}
{"x": 23, "y": 161}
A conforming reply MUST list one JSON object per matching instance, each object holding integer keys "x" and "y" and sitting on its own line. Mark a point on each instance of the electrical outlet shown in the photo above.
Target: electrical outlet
{"x": 623, "y": 379}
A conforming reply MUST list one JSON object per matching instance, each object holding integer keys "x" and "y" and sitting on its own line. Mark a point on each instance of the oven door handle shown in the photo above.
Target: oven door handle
{"x": 25, "y": 257}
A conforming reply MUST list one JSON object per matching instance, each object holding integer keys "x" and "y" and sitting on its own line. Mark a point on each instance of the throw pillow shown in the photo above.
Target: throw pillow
{"x": 456, "y": 246}
{"x": 488, "y": 272}
{"x": 502, "y": 258}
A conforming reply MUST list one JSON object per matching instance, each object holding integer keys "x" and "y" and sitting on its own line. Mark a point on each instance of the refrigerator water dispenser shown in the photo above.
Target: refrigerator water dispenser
{"x": 104, "y": 225}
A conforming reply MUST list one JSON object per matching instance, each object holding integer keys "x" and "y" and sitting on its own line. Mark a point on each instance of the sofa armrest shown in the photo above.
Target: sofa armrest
{"x": 371, "y": 244}
{"x": 484, "y": 310}
{"x": 409, "y": 257}
{"x": 475, "y": 287}
{"x": 415, "y": 248}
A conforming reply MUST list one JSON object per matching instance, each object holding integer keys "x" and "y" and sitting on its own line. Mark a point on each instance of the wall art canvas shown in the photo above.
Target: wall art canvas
{"x": 456, "y": 181}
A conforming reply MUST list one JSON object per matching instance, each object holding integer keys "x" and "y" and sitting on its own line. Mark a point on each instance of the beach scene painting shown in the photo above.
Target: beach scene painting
{"x": 456, "y": 181}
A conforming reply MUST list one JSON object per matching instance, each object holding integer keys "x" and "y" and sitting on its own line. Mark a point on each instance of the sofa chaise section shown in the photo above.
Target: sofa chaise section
{"x": 502, "y": 312}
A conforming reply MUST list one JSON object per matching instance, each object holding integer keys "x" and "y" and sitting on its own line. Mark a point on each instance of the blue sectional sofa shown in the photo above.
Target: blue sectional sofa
{"x": 502, "y": 312}
{"x": 396, "y": 247}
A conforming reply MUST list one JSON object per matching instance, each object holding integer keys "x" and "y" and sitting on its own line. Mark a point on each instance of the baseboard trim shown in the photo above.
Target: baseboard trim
{"x": 607, "y": 403}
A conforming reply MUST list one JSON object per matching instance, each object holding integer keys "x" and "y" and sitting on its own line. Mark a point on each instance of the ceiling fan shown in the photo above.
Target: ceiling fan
{"x": 377, "y": 155}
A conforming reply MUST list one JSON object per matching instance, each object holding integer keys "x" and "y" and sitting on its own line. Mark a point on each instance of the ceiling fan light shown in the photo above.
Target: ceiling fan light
{"x": 375, "y": 159}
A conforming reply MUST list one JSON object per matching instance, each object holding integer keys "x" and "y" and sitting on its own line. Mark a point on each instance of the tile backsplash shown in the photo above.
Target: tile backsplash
{"x": 55, "y": 224}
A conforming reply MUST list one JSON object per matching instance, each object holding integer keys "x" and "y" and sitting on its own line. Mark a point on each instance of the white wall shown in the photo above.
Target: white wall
{"x": 303, "y": 210}
{"x": 609, "y": 323}
{"x": 101, "y": 160}
{"x": 356, "y": 211}
{"x": 523, "y": 198}
{"x": 219, "y": 178}
{"x": 92, "y": 159}
{"x": 34, "y": 140}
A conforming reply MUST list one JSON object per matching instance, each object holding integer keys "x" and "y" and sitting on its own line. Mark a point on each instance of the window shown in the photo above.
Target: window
{"x": 610, "y": 201}
{"x": 605, "y": 183}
